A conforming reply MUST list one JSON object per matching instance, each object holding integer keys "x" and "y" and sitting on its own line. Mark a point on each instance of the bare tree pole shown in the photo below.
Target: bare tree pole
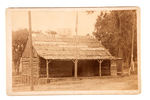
{"x": 76, "y": 61}
{"x": 31, "y": 51}
{"x": 132, "y": 48}
{"x": 76, "y": 23}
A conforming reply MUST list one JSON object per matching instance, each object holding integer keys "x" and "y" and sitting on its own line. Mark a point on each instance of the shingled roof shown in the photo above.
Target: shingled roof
{"x": 73, "y": 47}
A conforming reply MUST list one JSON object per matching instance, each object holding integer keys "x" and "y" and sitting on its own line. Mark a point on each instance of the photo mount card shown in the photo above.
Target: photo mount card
{"x": 63, "y": 51}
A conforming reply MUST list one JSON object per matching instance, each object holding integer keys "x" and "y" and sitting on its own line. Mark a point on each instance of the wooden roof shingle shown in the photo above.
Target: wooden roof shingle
{"x": 74, "y": 47}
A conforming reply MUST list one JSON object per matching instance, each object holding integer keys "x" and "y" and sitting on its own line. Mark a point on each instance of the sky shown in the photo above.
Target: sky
{"x": 55, "y": 20}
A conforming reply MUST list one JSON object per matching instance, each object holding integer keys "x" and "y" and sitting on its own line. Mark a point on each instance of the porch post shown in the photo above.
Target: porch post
{"x": 76, "y": 68}
{"x": 47, "y": 69}
{"x": 100, "y": 62}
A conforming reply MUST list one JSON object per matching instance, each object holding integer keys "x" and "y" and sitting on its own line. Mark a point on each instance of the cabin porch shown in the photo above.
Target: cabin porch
{"x": 75, "y": 68}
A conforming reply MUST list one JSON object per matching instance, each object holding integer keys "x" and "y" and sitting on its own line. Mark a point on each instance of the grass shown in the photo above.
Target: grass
{"x": 87, "y": 83}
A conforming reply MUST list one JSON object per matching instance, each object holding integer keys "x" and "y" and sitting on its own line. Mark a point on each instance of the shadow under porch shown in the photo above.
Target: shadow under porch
{"x": 73, "y": 68}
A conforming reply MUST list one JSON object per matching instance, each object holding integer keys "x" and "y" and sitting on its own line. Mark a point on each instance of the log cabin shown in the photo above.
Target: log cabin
{"x": 72, "y": 56}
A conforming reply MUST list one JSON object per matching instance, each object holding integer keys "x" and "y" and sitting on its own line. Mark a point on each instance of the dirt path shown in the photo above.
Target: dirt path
{"x": 96, "y": 83}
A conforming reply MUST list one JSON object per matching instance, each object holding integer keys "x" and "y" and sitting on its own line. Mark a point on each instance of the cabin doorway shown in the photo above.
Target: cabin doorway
{"x": 105, "y": 68}
{"x": 61, "y": 68}
{"x": 87, "y": 68}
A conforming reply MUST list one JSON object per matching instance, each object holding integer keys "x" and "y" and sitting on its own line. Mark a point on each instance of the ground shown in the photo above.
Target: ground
{"x": 90, "y": 83}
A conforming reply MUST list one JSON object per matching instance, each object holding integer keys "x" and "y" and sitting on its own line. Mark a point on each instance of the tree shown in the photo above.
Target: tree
{"x": 52, "y": 33}
{"x": 114, "y": 29}
{"x": 19, "y": 40}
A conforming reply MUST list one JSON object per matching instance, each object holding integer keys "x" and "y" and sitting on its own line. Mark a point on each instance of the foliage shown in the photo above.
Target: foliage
{"x": 114, "y": 29}
{"x": 52, "y": 33}
{"x": 19, "y": 40}
{"x": 89, "y": 12}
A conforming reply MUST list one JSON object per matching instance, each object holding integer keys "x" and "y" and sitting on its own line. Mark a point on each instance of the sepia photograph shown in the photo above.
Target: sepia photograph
{"x": 73, "y": 50}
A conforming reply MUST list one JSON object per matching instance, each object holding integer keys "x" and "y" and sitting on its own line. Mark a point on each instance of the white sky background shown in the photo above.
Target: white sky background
{"x": 55, "y": 20}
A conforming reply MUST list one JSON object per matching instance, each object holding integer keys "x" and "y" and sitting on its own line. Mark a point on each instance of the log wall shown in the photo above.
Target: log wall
{"x": 26, "y": 70}
{"x": 113, "y": 68}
